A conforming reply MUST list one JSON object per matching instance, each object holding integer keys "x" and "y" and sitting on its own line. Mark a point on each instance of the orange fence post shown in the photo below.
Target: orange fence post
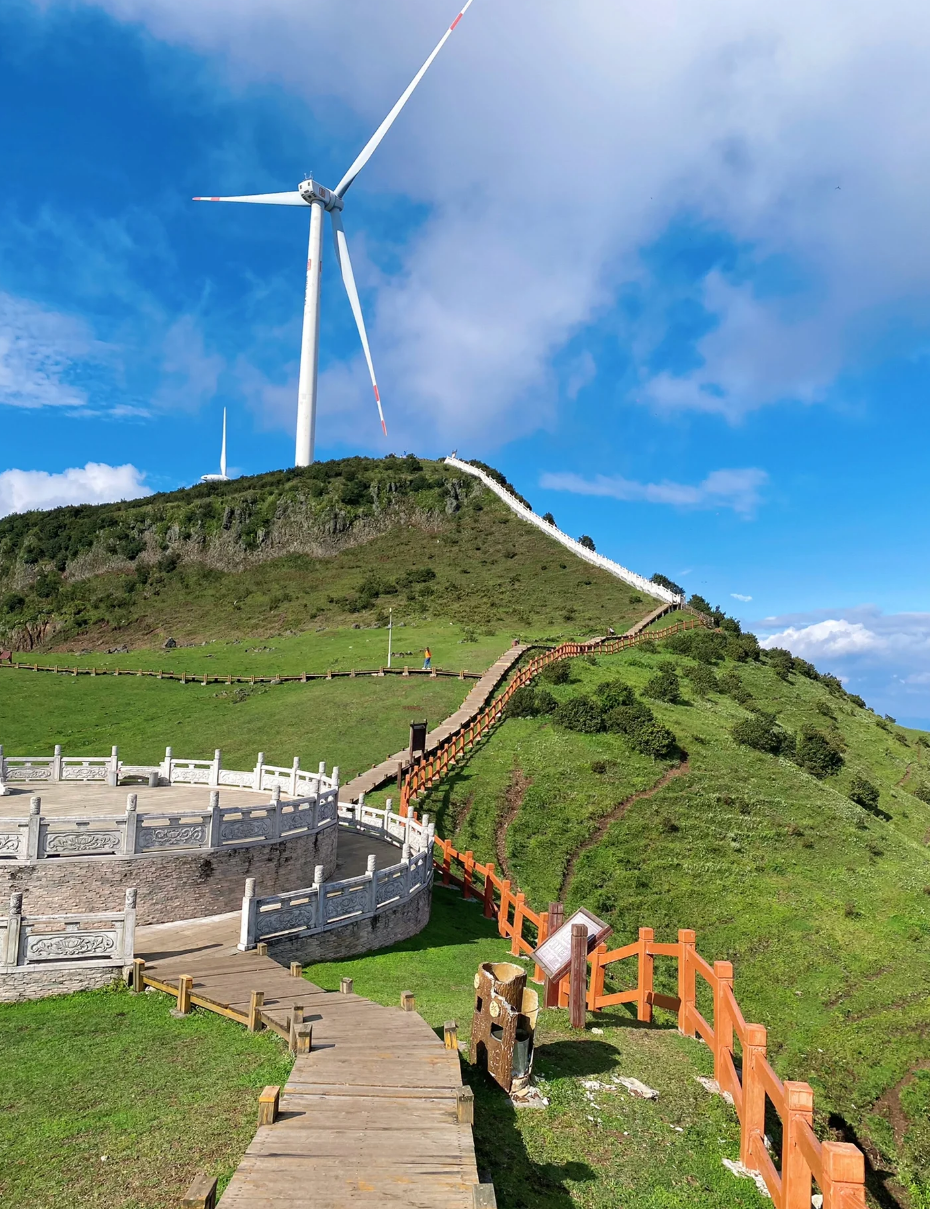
{"x": 843, "y": 1176}
{"x": 517, "y": 933}
{"x": 469, "y": 864}
{"x": 752, "y": 1121}
{"x": 489, "y": 890}
{"x": 723, "y": 1025}
{"x": 446, "y": 861}
{"x": 503, "y": 911}
{"x": 795, "y": 1171}
{"x": 687, "y": 995}
{"x": 596, "y": 987}
{"x": 644, "y": 984}
{"x": 541, "y": 933}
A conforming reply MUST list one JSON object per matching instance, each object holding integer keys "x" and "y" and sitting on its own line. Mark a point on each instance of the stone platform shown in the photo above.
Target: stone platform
{"x": 77, "y": 799}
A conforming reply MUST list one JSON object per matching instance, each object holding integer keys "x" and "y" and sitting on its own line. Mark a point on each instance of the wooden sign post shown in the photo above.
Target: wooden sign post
{"x": 417, "y": 739}
{"x": 565, "y": 950}
{"x": 551, "y": 987}
{"x": 578, "y": 977}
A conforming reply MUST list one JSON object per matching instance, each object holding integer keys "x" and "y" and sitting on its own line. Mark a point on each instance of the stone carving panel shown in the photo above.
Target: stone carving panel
{"x": 10, "y": 845}
{"x": 84, "y": 772}
{"x": 354, "y": 899}
{"x": 16, "y": 773}
{"x": 70, "y": 946}
{"x": 269, "y": 922}
{"x": 177, "y": 835}
{"x": 245, "y": 829}
{"x": 81, "y": 843}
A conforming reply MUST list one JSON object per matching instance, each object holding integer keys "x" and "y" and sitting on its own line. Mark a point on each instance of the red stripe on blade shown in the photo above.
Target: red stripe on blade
{"x": 455, "y": 22}
{"x": 384, "y": 427}
{"x": 377, "y": 396}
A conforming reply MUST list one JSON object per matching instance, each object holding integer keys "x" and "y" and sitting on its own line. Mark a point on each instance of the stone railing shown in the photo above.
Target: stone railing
{"x": 589, "y": 556}
{"x": 329, "y": 905}
{"x": 85, "y": 941}
{"x": 170, "y": 771}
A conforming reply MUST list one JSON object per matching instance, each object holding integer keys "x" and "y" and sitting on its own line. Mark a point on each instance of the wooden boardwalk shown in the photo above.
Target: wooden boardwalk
{"x": 369, "y": 1117}
{"x": 470, "y": 708}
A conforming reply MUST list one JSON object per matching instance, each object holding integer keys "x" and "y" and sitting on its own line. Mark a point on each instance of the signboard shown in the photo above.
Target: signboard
{"x": 417, "y": 739}
{"x": 554, "y": 955}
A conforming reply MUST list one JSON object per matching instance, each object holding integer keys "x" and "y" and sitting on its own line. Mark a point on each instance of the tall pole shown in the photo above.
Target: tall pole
{"x": 390, "y": 634}
{"x": 223, "y": 450}
{"x": 310, "y": 342}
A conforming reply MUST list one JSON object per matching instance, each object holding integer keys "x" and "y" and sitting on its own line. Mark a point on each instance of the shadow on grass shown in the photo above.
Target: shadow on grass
{"x": 880, "y": 1182}
{"x": 519, "y": 1181}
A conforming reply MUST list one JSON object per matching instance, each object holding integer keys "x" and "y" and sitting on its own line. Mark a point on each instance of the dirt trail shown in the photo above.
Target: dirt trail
{"x": 516, "y": 792}
{"x": 617, "y": 813}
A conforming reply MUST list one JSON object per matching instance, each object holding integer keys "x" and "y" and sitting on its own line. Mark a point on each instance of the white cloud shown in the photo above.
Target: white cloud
{"x": 739, "y": 596}
{"x": 736, "y": 489}
{"x": 39, "y": 350}
{"x": 551, "y": 142}
{"x": 884, "y": 657}
{"x": 95, "y": 483}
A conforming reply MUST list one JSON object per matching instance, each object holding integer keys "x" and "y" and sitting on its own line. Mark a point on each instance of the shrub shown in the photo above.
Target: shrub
{"x": 731, "y": 684}
{"x": 702, "y": 679}
{"x": 13, "y": 603}
{"x": 653, "y": 739}
{"x": 664, "y": 582}
{"x": 627, "y": 719}
{"x": 760, "y": 732}
{"x": 556, "y": 673}
{"x": 781, "y": 662}
{"x": 856, "y": 699}
{"x": 824, "y": 707}
{"x": 545, "y": 702}
{"x": 580, "y": 714}
{"x": 922, "y": 792}
{"x": 817, "y": 753}
{"x": 587, "y": 542}
{"x": 523, "y": 703}
{"x": 612, "y": 693}
{"x": 664, "y": 686}
{"x": 548, "y": 518}
{"x": 863, "y": 793}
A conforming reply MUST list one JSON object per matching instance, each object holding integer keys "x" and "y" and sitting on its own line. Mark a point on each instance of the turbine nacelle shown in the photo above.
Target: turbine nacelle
{"x": 312, "y": 191}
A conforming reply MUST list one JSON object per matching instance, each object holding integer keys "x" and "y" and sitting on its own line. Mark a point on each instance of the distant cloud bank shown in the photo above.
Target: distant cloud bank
{"x": 885, "y": 658}
{"x": 736, "y": 489}
{"x": 95, "y": 483}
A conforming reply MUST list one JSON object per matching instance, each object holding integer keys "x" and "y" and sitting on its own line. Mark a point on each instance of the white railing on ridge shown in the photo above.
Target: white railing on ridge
{"x": 589, "y": 556}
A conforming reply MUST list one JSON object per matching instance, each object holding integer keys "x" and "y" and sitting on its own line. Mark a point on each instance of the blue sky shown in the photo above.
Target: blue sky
{"x": 667, "y": 269}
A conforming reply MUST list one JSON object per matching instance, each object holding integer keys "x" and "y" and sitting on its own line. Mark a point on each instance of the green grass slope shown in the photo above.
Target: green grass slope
{"x": 336, "y": 544}
{"x": 822, "y": 904}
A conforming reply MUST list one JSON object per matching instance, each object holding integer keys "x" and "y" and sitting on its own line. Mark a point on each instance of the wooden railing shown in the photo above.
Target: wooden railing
{"x": 425, "y": 771}
{"x": 744, "y": 1073}
{"x": 225, "y": 678}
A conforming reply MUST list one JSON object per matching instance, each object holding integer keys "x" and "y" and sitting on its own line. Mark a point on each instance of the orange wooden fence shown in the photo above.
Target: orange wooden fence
{"x": 838, "y": 1168}
{"x": 426, "y": 770}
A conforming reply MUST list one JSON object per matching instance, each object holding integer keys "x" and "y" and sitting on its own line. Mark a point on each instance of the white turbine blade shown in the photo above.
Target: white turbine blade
{"x": 370, "y": 147}
{"x": 263, "y": 199}
{"x": 348, "y": 278}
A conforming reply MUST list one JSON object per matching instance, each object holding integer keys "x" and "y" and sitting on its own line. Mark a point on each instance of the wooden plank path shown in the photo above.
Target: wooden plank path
{"x": 470, "y": 708}
{"x": 369, "y": 1117}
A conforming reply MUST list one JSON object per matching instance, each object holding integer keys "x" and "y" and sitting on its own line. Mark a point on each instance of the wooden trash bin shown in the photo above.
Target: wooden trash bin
{"x": 504, "y": 1024}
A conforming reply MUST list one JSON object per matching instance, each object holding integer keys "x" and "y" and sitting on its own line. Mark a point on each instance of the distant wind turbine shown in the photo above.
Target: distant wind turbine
{"x": 222, "y": 476}
{"x": 310, "y": 193}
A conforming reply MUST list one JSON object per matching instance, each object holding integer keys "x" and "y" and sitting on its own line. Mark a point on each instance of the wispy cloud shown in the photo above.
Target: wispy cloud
{"x": 736, "y": 489}
{"x": 95, "y": 483}
{"x": 739, "y": 596}
{"x": 40, "y": 354}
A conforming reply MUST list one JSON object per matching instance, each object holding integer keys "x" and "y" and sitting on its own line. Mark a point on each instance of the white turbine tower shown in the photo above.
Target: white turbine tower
{"x": 311, "y": 193}
{"x": 222, "y": 476}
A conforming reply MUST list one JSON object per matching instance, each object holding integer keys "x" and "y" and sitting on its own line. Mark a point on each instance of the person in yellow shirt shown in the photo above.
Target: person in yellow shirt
{"x": 427, "y": 660}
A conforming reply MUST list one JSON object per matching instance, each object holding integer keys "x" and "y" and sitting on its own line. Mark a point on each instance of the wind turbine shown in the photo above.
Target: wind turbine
{"x": 222, "y": 476}
{"x": 310, "y": 193}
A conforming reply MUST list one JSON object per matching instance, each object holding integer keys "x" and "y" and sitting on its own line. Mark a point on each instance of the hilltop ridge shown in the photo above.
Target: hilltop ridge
{"x": 337, "y": 543}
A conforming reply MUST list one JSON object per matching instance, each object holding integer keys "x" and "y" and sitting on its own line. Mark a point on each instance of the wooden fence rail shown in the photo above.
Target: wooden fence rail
{"x": 220, "y": 678}
{"x": 741, "y": 1067}
{"x": 427, "y": 770}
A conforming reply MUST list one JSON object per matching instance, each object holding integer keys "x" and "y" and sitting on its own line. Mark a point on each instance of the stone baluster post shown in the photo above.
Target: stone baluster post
{"x": 336, "y": 780}
{"x": 132, "y": 822}
{"x": 274, "y": 810}
{"x": 213, "y": 832}
{"x": 405, "y": 857}
{"x": 56, "y": 763}
{"x": 359, "y": 807}
{"x": 129, "y": 926}
{"x": 13, "y": 927}
{"x": 259, "y": 771}
{"x": 247, "y": 930}
{"x": 373, "y": 887}
{"x": 424, "y": 832}
{"x": 35, "y": 825}
{"x": 215, "y": 768}
{"x": 320, "y": 774}
{"x": 294, "y": 768}
{"x": 319, "y": 887}
{"x": 113, "y": 767}
{"x": 165, "y": 770}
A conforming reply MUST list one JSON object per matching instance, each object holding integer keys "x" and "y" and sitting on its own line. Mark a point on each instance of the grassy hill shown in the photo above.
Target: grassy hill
{"x": 336, "y": 544}
{"x": 821, "y": 901}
